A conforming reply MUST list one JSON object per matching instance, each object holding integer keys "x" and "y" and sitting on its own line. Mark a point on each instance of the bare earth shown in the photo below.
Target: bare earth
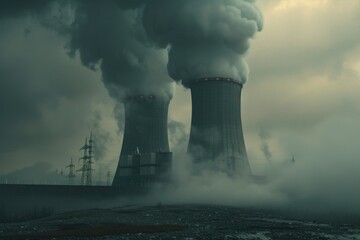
{"x": 176, "y": 222}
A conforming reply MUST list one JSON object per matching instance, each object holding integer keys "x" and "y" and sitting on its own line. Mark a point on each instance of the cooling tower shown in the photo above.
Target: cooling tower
{"x": 216, "y": 137}
{"x": 145, "y": 130}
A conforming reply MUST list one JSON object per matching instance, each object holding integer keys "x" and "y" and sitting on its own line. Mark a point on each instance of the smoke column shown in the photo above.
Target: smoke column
{"x": 112, "y": 38}
{"x": 206, "y": 37}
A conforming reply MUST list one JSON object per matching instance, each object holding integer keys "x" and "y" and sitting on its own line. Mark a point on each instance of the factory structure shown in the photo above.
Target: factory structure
{"x": 216, "y": 136}
{"x": 145, "y": 155}
{"x": 216, "y": 140}
{"x": 207, "y": 61}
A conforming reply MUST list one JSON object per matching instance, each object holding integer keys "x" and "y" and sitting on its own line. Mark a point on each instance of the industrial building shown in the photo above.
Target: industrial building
{"x": 216, "y": 136}
{"x": 145, "y": 155}
{"x": 146, "y": 168}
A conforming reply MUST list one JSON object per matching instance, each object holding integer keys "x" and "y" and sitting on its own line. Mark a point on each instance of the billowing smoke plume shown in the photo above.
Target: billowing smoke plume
{"x": 112, "y": 38}
{"x": 206, "y": 37}
{"x": 101, "y": 137}
{"x": 178, "y": 136}
{"x": 16, "y": 8}
{"x": 108, "y": 35}
{"x": 54, "y": 14}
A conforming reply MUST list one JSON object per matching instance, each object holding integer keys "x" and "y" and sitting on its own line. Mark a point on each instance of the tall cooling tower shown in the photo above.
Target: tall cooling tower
{"x": 145, "y": 130}
{"x": 216, "y": 136}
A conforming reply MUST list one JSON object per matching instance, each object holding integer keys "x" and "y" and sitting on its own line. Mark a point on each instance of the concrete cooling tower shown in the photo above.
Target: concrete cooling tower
{"x": 216, "y": 137}
{"x": 145, "y": 139}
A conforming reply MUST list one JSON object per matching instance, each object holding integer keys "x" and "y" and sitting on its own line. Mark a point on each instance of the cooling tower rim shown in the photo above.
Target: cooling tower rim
{"x": 214, "y": 79}
{"x": 145, "y": 98}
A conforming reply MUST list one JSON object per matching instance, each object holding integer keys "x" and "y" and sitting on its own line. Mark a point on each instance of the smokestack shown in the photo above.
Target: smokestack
{"x": 216, "y": 136}
{"x": 209, "y": 38}
{"x": 109, "y": 36}
{"x": 146, "y": 118}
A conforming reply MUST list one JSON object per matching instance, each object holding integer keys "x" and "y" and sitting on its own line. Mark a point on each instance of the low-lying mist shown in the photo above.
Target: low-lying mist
{"x": 313, "y": 186}
{"x": 316, "y": 188}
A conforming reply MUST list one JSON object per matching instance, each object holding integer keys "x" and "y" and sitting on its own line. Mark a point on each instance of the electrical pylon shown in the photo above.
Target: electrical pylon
{"x": 71, "y": 174}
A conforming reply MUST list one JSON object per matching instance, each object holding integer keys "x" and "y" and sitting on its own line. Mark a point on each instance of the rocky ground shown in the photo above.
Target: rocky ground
{"x": 176, "y": 222}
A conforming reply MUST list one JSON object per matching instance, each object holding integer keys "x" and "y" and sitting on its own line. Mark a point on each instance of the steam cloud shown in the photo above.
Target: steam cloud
{"x": 205, "y": 37}
{"x": 101, "y": 137}
{"x": 110, "y": 37}
{"x": 17, "y": 8}
{"x": 178, "y": 136}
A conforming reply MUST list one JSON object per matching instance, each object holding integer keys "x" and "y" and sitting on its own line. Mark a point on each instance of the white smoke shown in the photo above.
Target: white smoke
{"x": 205, "y": 37}
{"x": 113, "y": 39}
{"x": 307, "y": 188}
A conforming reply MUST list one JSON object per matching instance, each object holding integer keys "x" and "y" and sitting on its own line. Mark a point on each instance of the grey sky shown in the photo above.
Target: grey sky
{"x": 48, "y": 100}
{"x": 303, "y": 89}
{"x": 305, "y": 85}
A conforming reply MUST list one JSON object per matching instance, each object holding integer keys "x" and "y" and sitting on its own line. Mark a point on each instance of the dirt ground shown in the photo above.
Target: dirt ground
{"x": 177, "y": 222}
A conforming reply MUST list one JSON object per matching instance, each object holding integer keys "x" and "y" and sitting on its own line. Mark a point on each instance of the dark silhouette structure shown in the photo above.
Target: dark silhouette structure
{"x": 216, "y": 137}
{"x": 145, "y": 132}
{"x": 71, "y": 174}
{"x": 87, "y": 161}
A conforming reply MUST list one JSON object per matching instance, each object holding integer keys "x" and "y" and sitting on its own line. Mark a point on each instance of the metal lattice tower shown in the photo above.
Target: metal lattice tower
{"x": 83, "y": 166}
{"x": 86, "y": 168}
{"x": 90, "y": 162}
{"x": 71, "y": 174}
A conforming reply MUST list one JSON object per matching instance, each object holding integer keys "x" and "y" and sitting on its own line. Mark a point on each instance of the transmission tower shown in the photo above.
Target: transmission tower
{"x": 71, "y": 174}
{"x": 84, "y": 160}
{"x": 90, "y": 162}
{"x": 87, "y": 161}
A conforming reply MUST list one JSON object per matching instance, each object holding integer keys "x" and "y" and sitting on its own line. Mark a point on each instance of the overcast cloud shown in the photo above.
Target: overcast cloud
{"x": 305, "y": 85}
{"x": 49, "y": 102}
